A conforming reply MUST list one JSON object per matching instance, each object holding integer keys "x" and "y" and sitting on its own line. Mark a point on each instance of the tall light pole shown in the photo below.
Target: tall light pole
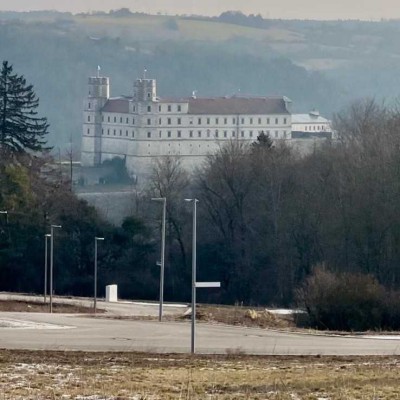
{"x": 162, "y": 265}
{"x": 52, "y": 264}
{"x": 194, "y": 251}
{"x": 46, "y": 237}
{"x": 96, "y": 239}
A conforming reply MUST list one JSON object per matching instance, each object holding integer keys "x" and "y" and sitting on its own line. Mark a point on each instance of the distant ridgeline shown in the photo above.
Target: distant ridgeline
{"x": 142, "y": 127}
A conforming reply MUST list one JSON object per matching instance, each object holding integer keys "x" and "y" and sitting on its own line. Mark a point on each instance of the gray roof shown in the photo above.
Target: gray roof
{"x": 238, "y": 105}
{"x": 117, "y": 105}
{"x": 310, "y": 118}
{"x": 215, "y": 105}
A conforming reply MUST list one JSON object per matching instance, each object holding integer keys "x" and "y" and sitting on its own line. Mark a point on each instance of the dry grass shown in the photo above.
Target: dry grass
{"x": 60, "y": 375}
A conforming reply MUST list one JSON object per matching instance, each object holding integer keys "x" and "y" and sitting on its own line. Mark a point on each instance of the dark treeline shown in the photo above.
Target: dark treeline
{"x": 266, "y": 217}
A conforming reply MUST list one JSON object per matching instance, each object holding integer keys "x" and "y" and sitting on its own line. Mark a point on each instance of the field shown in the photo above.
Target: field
{"x": 62, "y": 375}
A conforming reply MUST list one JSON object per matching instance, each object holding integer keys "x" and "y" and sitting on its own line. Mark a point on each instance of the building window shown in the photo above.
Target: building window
{"x": 126, "y": 133}
{"x": 148, "y": 108}
{"x": 159, "y": 121}
{"x": 259, "y": 121}
{"x": 179, "y": 121}
{"x": 216, "y": 133}
{"x": 149, "y": 135}
{"x": 148, "y": 95}
{"x": 233, "y": 134}
{"x": 133, "y": 121}
{"x": 102, "y": 131}
{"x": 108, "y": 131}
{"x": 169, "y": 108}
{"x": 89, "y": 106}
{"x": 148, "y": 121}
{"x": 115, "y": 119}
{"x": 276, "y": 134}
{"x": 199, "y": 134}
{"x": 225, "y": 121}
{"x": 159, "y": 108}
{"x": 251, "y": 133}
{"x": 242, "y": 133}
{"x": 208, "y": 133}
{"x": 120, "y": 132}
{"x": 88, "y": 118}
{"x": 127, "y": 120}
{"x": 285, "y": 120}
{"x": 179, "y": 108}
{"x": 134, "y": 108}
{"x": 233, "y": 120}
{"x": 242, "y": 121}
{"x": 225, "y": 134}
{"x": 169, "y": 133}
{"x": 191, "y": 134}
{"x": 133, "y": 133}
{"x": 268, "y": 121}
{"x": 88, "y": 131}
{"x": 284, "y": 134}
{"x": 115, "y": 132}
{"x": 120, "y": 120}
{"x": 208, "y": 121}
{"x": 169, "y": 121}
{"x": 251, "y": 121}
{"x": 102, "y": 118}
{"x": 216, "y": 121}
{"x": 179, "y": 134}
{"x": 199, "y": 121}
{"x": 276, "y": 121}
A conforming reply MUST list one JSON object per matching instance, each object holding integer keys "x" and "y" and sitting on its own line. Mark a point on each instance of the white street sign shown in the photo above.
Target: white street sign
{"x": 207, "y": 284}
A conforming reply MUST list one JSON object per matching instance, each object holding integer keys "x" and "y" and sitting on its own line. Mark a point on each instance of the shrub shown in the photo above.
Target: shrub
{"x": 349, "y": 302}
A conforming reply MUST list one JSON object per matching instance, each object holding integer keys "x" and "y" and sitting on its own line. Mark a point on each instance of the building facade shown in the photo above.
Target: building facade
{"x": 311, "y": 124}
{"x": 144, "y": 126}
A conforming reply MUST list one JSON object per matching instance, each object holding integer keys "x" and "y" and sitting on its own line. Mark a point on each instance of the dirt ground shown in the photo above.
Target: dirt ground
{"x": 139, "y": 376}
{"x": 26, "y": 306}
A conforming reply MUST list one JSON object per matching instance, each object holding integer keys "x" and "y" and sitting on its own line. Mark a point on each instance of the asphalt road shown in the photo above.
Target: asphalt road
{"x": 71, "y": 332}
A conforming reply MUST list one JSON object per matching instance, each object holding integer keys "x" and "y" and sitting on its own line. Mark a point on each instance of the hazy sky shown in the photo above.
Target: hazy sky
{"x": 304, "y": 9}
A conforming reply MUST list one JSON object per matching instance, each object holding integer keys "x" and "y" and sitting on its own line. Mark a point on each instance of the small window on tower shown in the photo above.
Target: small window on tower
{"x": 169, "y": 121}
{"x": 120, "y": 120}
{"x": 115, "y": 132}
{"x": 88, "y": 131}
{"x": 108, "y": 119}
{"x": 133, "y": 133}
{"x": 148, "y": 121}
{"x": 102, "y": 118}
{"x": 149, "y": 134}
{"x": 159, "y": 108}
{"x": 169, "y": 133}
{"x": 89, "y": 106}
{"x": 179, "y": 121}
{"x": 120, "y": 132}
{"x": 148, "y": 95}
{"x": 148, "y": 108}
{"x": 199, "y": 121}
{"x": 179, "y": 134}
{"x": 88, "y": 118}
{"x": 191, "y": 134}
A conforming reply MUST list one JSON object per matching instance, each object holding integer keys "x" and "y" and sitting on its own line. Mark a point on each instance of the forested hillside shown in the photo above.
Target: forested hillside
{"x": 58, "y": 52}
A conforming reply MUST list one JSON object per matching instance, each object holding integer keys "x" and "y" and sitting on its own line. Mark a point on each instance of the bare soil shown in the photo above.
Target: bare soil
{"x": 27, "y": 306}
{"x": 139, "y": 376}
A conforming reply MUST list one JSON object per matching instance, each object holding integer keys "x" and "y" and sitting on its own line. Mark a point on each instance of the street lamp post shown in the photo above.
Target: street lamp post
{"x": 162, "y": 263}
{"x": 96, "y": 239}
{"x": 46, "y": 236}
{"x": 52, "y": 264}
{"x": 194, "y": 251}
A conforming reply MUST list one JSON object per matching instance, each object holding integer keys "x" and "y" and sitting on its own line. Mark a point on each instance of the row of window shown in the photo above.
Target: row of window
{"x": 192, "y": 134}
{"x": 316, "y": 128}
{"x": 216, "y": 121}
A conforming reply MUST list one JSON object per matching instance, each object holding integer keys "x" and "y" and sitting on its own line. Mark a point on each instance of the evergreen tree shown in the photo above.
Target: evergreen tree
{"x": 21, "y": 130}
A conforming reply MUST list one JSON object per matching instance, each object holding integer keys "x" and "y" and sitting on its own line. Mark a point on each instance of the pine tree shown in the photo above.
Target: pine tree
{"x": 21, "y": 130}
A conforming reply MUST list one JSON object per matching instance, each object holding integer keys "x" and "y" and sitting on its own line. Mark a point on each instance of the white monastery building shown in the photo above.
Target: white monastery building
{"x": 144, "y": 126}
{"x": 310, "y": 124}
